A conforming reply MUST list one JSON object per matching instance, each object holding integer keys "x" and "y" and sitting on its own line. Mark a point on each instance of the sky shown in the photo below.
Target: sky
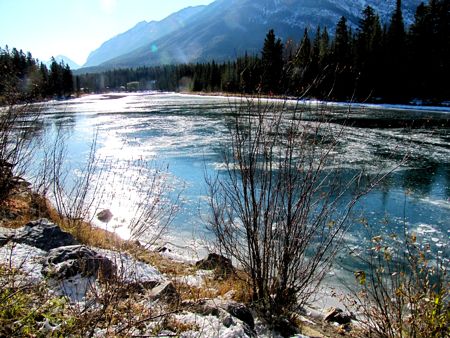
{"x": 74, "y": 28}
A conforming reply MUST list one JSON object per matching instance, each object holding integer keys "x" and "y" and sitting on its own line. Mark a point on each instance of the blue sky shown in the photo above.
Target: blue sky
{"x": 74, "y": 28}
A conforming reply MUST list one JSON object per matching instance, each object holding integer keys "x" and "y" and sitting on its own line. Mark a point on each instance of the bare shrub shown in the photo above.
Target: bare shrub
{"x": 158, "y": 205}
{"x": 80, "y": 193}
{"x": 280, "y": 206}
{"x": 76, "y": 196}
{"x": 403, "y": 290}
{"x": 16, "y": 127}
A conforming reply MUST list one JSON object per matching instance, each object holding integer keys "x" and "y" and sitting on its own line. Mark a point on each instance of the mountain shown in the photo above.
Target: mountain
{"x": 61, "y": 58}
{"x": 229, "y": 28}
{"x": 144, "y": 33}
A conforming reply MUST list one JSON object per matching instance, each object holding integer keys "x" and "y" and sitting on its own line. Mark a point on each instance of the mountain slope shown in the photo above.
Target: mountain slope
{"x": 228, "y": 28}
{"x": 144, "y": 33}
{"x": 61, "y": 58}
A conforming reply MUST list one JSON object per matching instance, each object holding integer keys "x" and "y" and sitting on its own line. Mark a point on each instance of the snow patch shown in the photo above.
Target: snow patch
{"x": 26, "y": 258}
{"x": 75, "y": 288}
{"x": 196, "y": 280}
{"x": 130, "y": 269}
{"x": 210, "y": 326}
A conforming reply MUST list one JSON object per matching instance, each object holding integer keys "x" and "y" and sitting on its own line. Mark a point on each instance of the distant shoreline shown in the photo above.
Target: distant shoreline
{"x": 393, "y": 106}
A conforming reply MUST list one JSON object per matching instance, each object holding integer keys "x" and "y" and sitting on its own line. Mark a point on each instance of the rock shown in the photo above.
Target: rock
{"x": 68, "y": 261}
{"x": 336, "y": 315}
{"x": 137, "y": 243}
{"x": 240, "y": 311}
{"x": 163, "y": 249}
{"x": 5, "y": 236}
{"x": 285, "y": 327}
{"x": 8, "y": 215}
{"x": 4, "y": 239}
{"x": 127, "y": 290}
{"x": 140, "y": 287}
{"x": 44, "y": 235}
{"x": 224, "y": 310}
{"x": 220, "y": 264}
{"x": 228, "y": 321}
{"x": 165, "y": 291}
{"x": 204, "y": 307}
{"x": 105, "y": 216}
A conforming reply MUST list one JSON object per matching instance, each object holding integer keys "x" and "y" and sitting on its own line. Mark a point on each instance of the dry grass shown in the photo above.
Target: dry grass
{"x": 166, "y": 266}
{"x": 177, "y": 326}
{"x": 232, "y": 287}
{"x": 28, "y": 206}
{"x": 25, "y": 206}
{"x": 22, "y": 207}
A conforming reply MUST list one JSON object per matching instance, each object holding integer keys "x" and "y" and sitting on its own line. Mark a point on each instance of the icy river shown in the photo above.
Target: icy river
{"x": 183, "y": 134}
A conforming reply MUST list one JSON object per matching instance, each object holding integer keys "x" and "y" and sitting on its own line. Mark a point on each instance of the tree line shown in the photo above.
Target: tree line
{"x": 372, "y": 62}
{"x": 24, "y": 78}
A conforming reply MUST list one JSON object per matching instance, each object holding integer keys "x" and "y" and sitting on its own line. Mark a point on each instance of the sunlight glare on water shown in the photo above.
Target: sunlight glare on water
{"x": 186, "y": 133}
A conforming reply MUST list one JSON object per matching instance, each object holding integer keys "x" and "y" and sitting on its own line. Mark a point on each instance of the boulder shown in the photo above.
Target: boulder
{"x": 139, "y": 287}
{"x": 162, "y": 249}
{"x": 44, "y": 235}
{"x": 105, "y": 216}
{"x": 286, "y": 328}
{"x": 165, "y": 291}
{"x": 336, "y": 315}
{"x": 68, "y": 261}
{"x": 220, "y": 264}
{"x": 242, "y": 312}
{"x": 129, "y": 289}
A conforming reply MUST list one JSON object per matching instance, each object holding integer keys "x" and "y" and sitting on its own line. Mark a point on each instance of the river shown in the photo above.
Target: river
{"x": 185, "y": 133}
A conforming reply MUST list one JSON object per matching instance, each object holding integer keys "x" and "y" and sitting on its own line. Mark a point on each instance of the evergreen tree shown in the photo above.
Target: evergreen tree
{"x": 369, "y": 43}
{"x": 78, "y": 85}
{"x": 215, "y": 77}
{"x": 300, "y": 74}
{"x": 45, "y": 80}
{"x": 429, "y": 46}
{"x": 369, "y": 35}
{"x": 324, "y": 48}
{"x": 55, "y": 78}
{"x": 390, "y": 63}
{"x": 396, "y": 32}
{"x": 24, "y": 79}
{"x": 341, "y": 48}
{"x": 272, "y": 63}
{"x": 315, "y": 52}
{"x": 342, "y": 58}
{"x": 66, "y": 80}
{"x": 395, "y": 56}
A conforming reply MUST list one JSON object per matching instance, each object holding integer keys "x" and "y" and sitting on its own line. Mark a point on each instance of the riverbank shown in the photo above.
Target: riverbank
{"x": 445, "y": 108}
{"x": 185, "y": 132}
{"x": 194, "y": 302}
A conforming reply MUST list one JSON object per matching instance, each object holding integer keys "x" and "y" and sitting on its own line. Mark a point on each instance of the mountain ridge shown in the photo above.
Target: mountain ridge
{"x": 68, "y": 61}
{"x": 143, "y": 33}
{"x": 212, "y": 32}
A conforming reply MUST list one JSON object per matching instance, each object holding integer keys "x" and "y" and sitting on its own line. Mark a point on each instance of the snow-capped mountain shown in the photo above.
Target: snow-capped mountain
{"x": 229, "y": 28}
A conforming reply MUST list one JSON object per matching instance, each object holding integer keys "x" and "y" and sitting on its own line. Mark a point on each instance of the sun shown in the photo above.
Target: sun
{"x": 108, "y": 5}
